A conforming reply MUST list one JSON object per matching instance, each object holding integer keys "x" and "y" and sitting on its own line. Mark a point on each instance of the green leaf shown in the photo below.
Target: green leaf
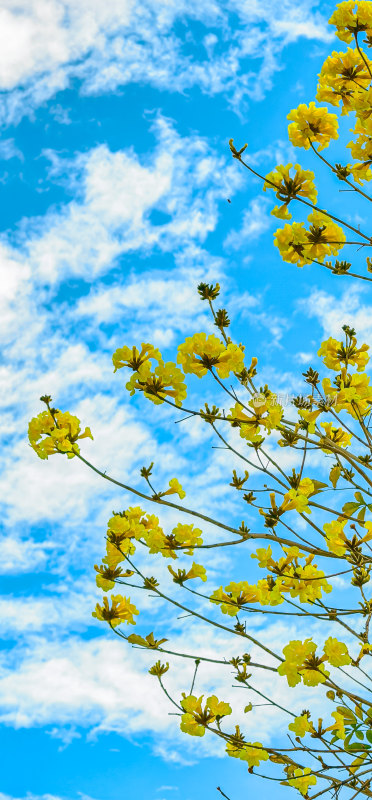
{"x": 369, "y": 736}
{"x": 347, "y": 714}
{"x": 349, "y": 508}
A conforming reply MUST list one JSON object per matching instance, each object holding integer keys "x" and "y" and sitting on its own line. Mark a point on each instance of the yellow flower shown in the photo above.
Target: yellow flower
{"x": 342, "y": 74}
{"x": 189, "y": 721}
{"x": 300, "y": 661}
{"x": 362, "y": 104}
{"x": 297, "y": 498}
{"x": 352, "y": 17}
{"x": 339, "y": 726}
{"x": 264, "y": 556}
{"x": 335, "y": 536}
{"x": 251, "y": 752}
{"x": 324, "y": 236}
{"x": 300, "y": 246}
{"x": 234, "y": 596}
{"x": 364, "y": 651}
{"x": 122, "y": 610}
{"x": 352, "y": 393}
{"x": 287, "y": 187}
{"x": 312, "y": 124}
{"x": 301, "y": 725}
{"x": 361, "y": 150}
{"x": 107, "y": 576}
{"x": 308, "y": 583}
{"x": 122, "y": 529}
{"x": 367, "y": 536}
{"x": 291, "y": 242}
{"x": 182, "y": 537}
{"x": 158, "y": 542}
{"x": 302, "y": 779}
{"x": 175, "y": 488}
{"x": 266, "y": 411}
{"x": 200, "y": 353}
{"x": 337, "y": 435}
{"x": 195, "y": 720}
{"x": 134, "y": 358}
{"x": 281, "y": 212}
{"x": 249, "y": 425}
{"x": 61, "y": 431}
{"x": 336, "y": 652}
{"x": 187, "y": 535}
{"x": 195, "y": 571}
{"x": 165, "y": 381}
{"x": 310, "y": 417}
{"x": 336, "y": 353}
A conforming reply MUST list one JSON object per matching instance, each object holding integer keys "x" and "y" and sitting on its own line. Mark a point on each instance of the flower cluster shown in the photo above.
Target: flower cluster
{"x": 299, "y": 245}
{"x": 157, "y": 383}
{"x": 312, "y": 125}
{"x": 201, "y": 353}
{"x": 196, "y": 718}
{"x": 55, "y": 431}
{"x": 287, "y": 187}
{"x": 340, "y": 75}
{"x": 122, "y": 610}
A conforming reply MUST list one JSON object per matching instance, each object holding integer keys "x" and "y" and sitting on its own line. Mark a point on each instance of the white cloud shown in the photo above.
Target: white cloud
{"x": 44, "y": 44}
{"x": 117, "y": 195}
{"x": 256, "y": 221}
{"x": 8, "y": 150}
{"x": 30, "y": 797}
{"x": 332, "y": 312}
{"x": 18, "y": 555}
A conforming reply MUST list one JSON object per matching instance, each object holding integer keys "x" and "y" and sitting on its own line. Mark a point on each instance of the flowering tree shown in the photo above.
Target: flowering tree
{"x": 305, "y": 542}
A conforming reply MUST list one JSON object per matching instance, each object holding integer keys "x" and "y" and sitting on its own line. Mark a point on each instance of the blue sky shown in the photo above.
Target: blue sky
{"x": 115, "y": 176}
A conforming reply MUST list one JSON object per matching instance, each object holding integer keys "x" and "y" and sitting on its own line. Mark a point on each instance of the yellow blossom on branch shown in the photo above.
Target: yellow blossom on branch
{"x": 122, "y": 610}
{"x": 298, "y": 498}
{"x": 336, "y": 354}
{"x": 300, "y": 246}
{"x": 336, "y": 652}
{"x": 338, "y": 726}
{"x": 351, "y": 393}
{"x": 310, "y": 417}
{"x": 107, "y": 576}
{"x": 182, "y": 575}
{"x": 342, "y": 75}
{"x": 200, "y": 353}
{"x": 301, "y": 725}
{"x": 335, "y": 536}
{"x": 302, "y": 780}
{"x": 352, "y": 17}
{"x": 336, "y": 435}
{"x": 312, "y": 124}
{"x": 266, "y": 412}
{"x": 175, "y": 488}
{"x": 361, "y": 150}
{"x": 300, "y": 661}
{"x": 56, "y": 433}
{"x": 165, "y": 381}
{"x": 287, "y": 187}
{"x": 196, "y": 718}
{"x": 134, "y": 358}
{"x": 251, "y": 752}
